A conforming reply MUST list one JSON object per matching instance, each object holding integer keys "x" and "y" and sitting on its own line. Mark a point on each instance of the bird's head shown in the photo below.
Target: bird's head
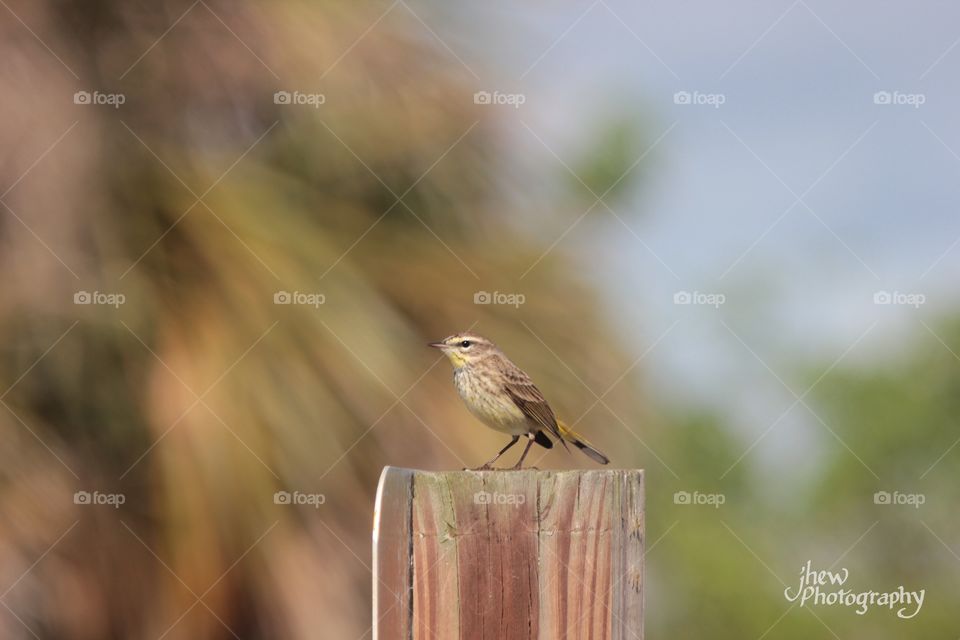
{"x": 465, "y": 349}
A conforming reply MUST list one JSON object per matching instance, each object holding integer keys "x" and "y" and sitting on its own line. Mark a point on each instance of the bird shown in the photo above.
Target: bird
{"x": 504, "y": 398}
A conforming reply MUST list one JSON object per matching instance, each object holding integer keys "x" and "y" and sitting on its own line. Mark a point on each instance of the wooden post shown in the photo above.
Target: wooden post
{"x": 508, "y": 555}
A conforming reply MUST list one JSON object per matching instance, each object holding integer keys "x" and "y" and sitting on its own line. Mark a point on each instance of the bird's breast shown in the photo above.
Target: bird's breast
{"x": 487, "y": 400}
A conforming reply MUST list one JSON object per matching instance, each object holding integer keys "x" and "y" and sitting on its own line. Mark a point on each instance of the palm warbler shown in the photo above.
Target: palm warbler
{"x": 504, "y": 398}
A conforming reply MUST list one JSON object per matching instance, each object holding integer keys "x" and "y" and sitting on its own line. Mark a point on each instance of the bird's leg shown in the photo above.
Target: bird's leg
{"x": 519, "y": 464}
{"x": 497, "y": 457}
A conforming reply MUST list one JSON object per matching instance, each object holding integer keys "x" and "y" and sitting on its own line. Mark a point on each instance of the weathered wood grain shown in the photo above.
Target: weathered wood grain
{"x": 392, "y": 568}
{"x": 498, "y": 555}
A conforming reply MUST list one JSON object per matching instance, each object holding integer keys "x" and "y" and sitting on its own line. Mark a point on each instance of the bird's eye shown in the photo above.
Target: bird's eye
{"x": 465, "y": 344}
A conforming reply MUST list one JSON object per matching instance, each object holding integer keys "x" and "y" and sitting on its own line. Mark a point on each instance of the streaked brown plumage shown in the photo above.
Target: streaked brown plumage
{"x": 504, "y": 398}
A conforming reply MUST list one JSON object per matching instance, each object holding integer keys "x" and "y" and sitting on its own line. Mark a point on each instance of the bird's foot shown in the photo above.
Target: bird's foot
{"x": 483, "y": 467}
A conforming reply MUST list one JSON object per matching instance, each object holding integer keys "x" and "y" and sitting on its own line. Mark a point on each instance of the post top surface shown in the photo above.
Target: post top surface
{"x": 506, "y": 473}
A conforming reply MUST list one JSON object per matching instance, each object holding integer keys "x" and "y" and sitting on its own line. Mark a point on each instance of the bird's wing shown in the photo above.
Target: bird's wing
{"x": 531, "y": 402}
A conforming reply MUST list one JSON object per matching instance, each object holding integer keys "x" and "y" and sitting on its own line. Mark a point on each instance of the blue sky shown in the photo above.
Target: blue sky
{"x": 798, "y": 198}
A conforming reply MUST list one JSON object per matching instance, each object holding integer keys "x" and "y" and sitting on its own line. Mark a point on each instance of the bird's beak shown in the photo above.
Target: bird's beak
{"x": 437, "y": 345}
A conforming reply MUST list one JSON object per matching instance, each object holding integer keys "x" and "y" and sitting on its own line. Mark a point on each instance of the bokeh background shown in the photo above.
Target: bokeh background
{"x": 789, "y": 169}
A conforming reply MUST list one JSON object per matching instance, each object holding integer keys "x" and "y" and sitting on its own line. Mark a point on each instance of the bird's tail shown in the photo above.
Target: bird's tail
{"x": 576, "y": 440}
